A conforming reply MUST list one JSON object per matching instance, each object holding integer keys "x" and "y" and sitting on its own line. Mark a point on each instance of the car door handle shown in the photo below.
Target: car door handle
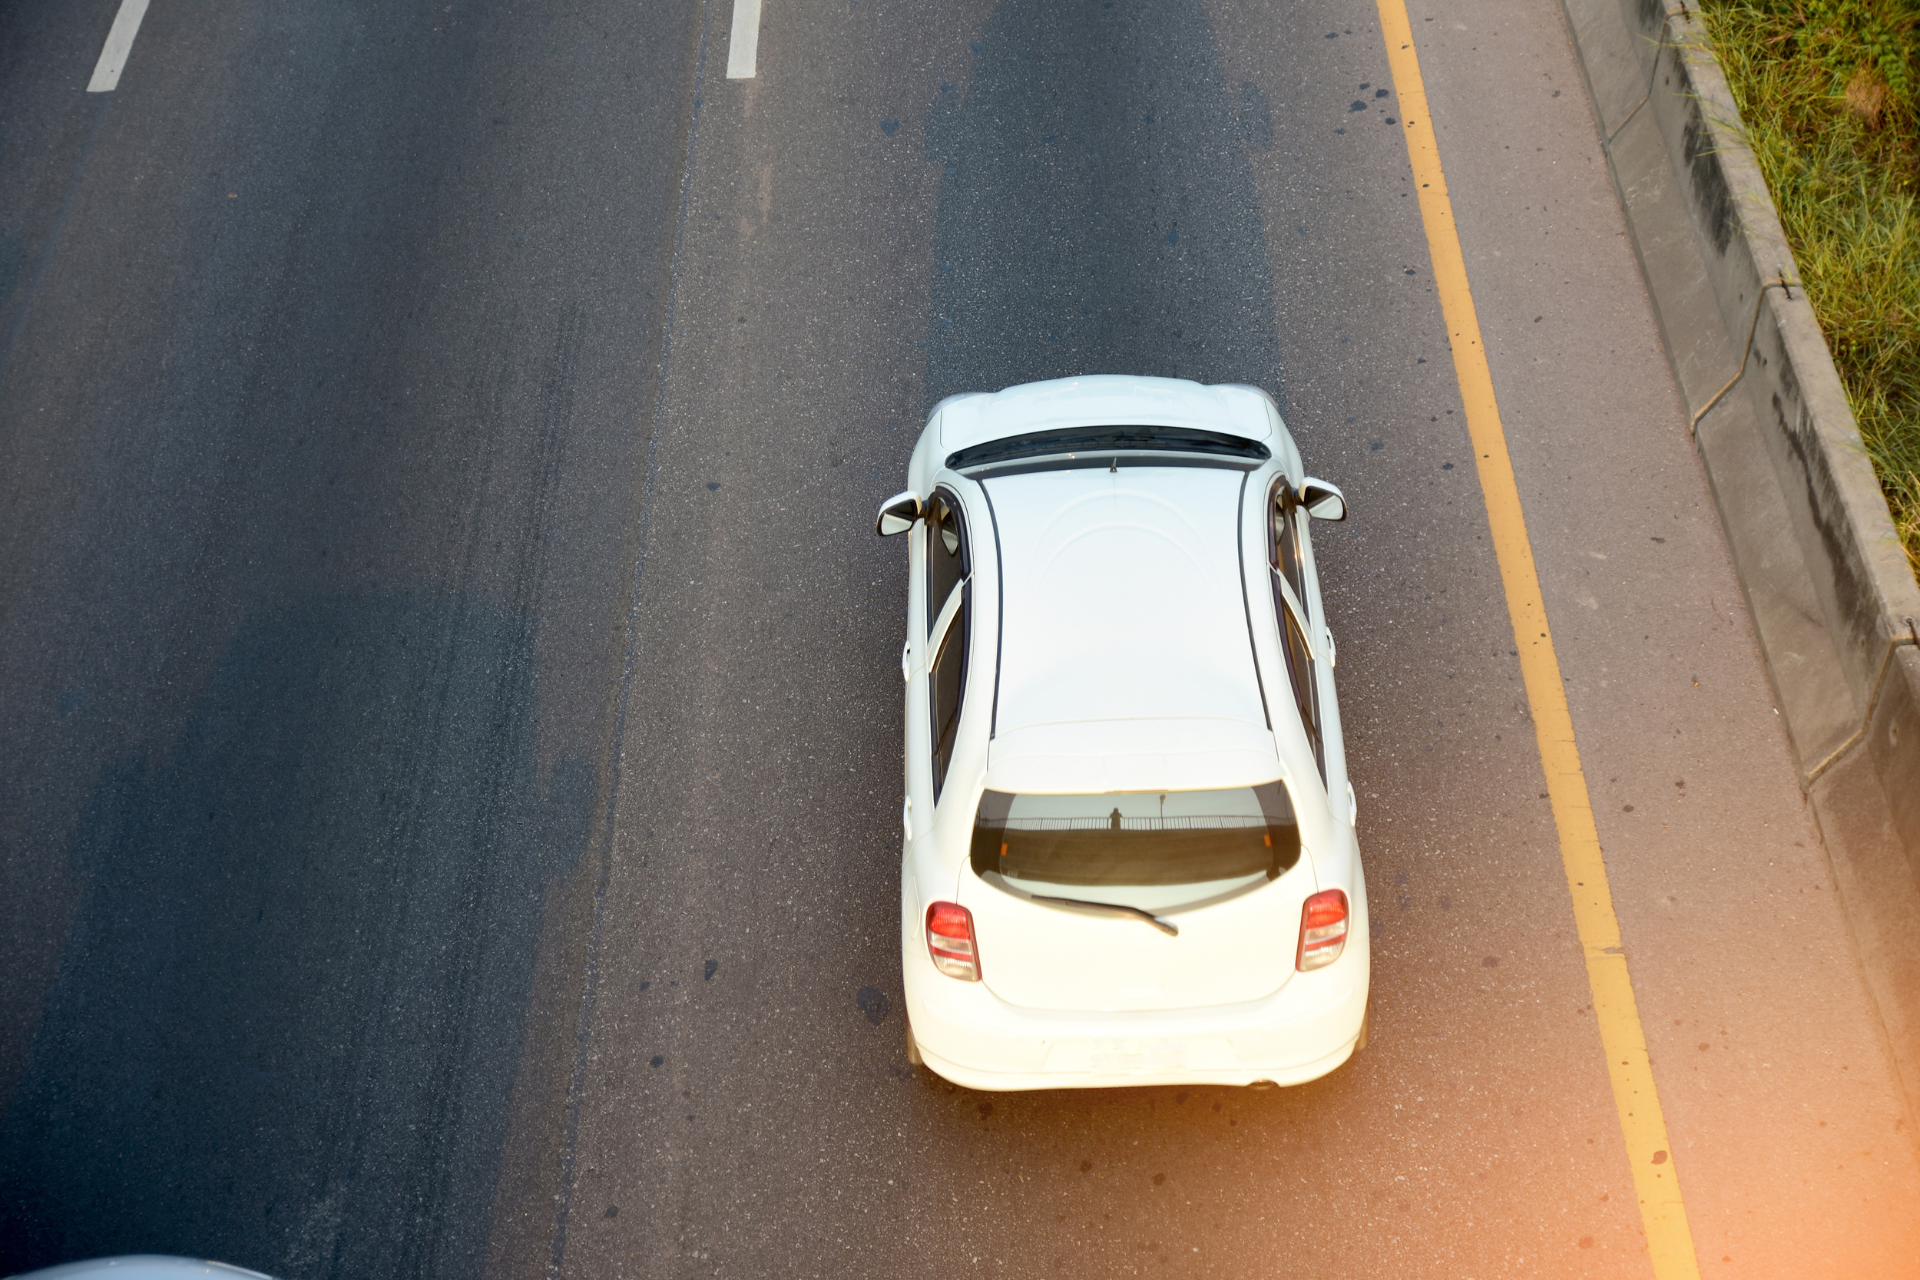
{"x": 906, "y": 661}
{"x": 1326, "y": 638}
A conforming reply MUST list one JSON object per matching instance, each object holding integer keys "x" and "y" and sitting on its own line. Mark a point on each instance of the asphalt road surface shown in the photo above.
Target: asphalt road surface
{"x": 449, "y": 697}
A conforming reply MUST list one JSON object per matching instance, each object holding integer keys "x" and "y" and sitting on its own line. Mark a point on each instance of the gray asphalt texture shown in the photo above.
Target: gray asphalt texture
{"x": 449, "y": 698}
{"x": 326, "y": 335}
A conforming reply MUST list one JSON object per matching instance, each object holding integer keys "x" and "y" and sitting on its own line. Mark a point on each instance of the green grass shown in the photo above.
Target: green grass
{"x": 1829, "y": 91}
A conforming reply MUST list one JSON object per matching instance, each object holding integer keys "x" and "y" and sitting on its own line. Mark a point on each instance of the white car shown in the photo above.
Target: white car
{"x": 142, "y": 1266}
{"x": 1129, "y": 837}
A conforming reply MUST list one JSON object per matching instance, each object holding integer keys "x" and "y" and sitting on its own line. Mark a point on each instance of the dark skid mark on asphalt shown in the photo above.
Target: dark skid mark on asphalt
{"x": 1097, "y": 213}
{"x": 290, "y": 1009}
{"x": 873, "y": 1005}
{"x": 630, "y": 666}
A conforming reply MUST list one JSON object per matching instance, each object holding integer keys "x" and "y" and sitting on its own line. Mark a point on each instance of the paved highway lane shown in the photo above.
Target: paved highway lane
{"x": 327, "y": 331}
{"x": 1035, "y": 189}
{"x": 452, "y": 710}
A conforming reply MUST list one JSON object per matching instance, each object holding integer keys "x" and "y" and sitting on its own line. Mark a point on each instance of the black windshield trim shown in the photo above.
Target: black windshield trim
{"x": 1069, "y": 444}
{"x": 1108, "y": 461}
{"x": 999, "y": 613}
{"x": 1246, "y": 605}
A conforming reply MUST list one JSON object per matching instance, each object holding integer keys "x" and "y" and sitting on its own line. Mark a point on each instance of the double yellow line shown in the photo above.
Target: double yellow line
{"x": 1655, "y": 1180}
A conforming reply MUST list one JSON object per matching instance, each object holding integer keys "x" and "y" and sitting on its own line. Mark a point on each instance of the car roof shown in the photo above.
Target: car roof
{"x": 1103, "y": 399}
{"x": 1125, "y": 661}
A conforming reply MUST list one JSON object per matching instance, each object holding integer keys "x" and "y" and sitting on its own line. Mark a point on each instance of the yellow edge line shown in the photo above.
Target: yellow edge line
{"x": 1655, "y": 1180}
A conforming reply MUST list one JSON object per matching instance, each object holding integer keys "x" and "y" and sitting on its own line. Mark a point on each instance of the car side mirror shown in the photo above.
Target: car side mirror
{"x": 1322, "y": 500}
{"x": 897, "y": 514}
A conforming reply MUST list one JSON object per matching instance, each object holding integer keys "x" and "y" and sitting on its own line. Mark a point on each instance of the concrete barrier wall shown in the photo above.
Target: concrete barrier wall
{"x": 1833, "y": 601}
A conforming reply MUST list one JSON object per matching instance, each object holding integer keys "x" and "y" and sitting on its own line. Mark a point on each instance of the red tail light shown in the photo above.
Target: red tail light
{"x": 950, "y": 941}
{"x": 1323, "y": 929}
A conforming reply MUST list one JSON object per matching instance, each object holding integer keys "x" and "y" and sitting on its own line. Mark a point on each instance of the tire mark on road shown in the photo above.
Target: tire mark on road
{"x": 583, "y": 1034}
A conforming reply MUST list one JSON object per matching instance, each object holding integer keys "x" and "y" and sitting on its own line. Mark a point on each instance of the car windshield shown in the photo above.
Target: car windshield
{"x": 1098, "y": 445}
{"x": 1136, "y": 838}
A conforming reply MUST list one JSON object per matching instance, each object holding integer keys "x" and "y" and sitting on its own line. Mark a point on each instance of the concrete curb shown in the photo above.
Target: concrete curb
{"x": 1834, "y": 603}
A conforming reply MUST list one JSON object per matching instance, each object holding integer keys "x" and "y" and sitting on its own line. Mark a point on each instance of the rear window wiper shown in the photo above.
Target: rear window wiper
{"x": 1167, "y": 927}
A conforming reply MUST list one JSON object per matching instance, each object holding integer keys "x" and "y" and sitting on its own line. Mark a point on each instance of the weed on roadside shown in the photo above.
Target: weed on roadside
{"x": 1829, "y": 92}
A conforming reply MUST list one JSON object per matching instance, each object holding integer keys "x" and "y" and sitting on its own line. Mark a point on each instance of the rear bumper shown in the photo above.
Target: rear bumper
{"x": 1005, "y": 1081}
{"x": 1300, "y": 1033}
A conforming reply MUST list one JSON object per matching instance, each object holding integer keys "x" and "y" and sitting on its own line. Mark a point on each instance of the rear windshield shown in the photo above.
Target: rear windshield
{"x": 1137, "y": 837}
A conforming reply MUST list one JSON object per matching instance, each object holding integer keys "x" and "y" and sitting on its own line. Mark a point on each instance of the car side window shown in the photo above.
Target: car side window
{"x": 946, "y": 552}
{"x": 1288, "y": 573}
{"x": 949, "y": 607}
{"x": 1286, "y": 543}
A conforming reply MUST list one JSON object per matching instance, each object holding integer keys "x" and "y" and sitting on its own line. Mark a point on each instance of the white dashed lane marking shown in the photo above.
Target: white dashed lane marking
{"x": 743, "y": 44}
{"x": 113, "y": 55}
